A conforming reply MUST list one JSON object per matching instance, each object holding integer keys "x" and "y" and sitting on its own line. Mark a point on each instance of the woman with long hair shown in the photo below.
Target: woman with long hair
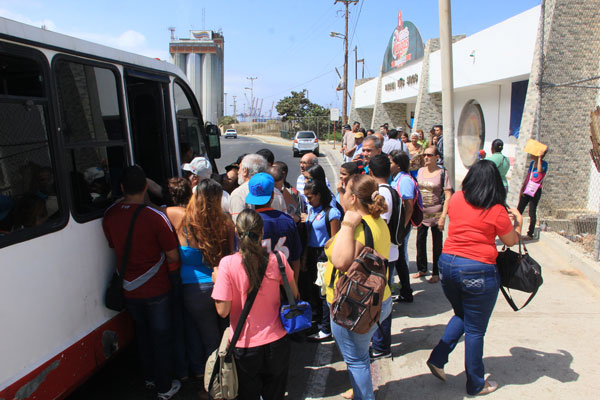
{"x": 205, "y": 236}
{"x": 262, "y": 351}
{"x": 361, "y": 201}
{"x": 435, "y": 188}
{"x": 468, "y": 265}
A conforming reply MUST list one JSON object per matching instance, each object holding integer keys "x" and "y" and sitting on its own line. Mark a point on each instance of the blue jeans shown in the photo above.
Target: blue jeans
{"x": 472, "y": 289}
{"x": 382, "y": 338}
{"x": 355, "y": 350}
{"x": 152, "y": 318}
{"x": 204, "y": 330}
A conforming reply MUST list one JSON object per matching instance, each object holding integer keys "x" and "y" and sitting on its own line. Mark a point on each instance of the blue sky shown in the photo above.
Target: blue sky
{"x": 285, "y": 43}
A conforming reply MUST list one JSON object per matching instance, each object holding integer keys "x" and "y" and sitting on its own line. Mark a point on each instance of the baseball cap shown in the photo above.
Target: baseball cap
{"x": 261, "y": 189}
{"x": 199, "y": 166}
{"x": 359, "y": 135}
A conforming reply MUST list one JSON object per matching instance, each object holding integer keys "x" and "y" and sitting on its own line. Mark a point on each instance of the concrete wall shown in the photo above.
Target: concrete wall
{"x": 428, "y": 110}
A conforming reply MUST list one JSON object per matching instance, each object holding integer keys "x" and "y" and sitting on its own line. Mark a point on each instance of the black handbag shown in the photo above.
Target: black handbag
{"x": 114, "y": 299}
{"x": 518, "y": 271}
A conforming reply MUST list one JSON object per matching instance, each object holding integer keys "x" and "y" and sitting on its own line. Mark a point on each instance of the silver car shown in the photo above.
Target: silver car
{"x": 305, "y": 142}
{"x": 230, "y": 133}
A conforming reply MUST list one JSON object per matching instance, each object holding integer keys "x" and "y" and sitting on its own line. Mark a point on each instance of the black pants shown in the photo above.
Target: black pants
{"x": 403, "y": 274}
{"x": 533, "y": 203}
{"x": 263, "y": 370}
{"x": 437, "y": 237}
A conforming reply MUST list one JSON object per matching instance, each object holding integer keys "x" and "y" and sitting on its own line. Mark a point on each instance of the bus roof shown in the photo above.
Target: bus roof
{"x": 44, "y": 38}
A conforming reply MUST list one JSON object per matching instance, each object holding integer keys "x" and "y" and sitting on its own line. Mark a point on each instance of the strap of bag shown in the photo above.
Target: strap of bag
{"x": 368, "y": 235}
{"x": 127, "y": 248}
{"x": 286, "y": 283}
{"x": 510, "y": 301}
{"x": 242, "y": 320}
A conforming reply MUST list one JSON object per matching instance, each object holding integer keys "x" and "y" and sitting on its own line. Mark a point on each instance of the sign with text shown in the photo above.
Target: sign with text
{"x": 404, "y": 47}
{"x": 334, "y": 114}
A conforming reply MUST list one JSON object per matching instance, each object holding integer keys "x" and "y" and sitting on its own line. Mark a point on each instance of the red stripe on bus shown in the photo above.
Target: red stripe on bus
{"x": 63, "y": 373}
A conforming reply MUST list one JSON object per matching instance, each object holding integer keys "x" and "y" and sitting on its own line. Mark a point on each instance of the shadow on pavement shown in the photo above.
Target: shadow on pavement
{"x": 429, "y": 300}
{"x": 524, "y": 366}
{"x": 414, "y": 339}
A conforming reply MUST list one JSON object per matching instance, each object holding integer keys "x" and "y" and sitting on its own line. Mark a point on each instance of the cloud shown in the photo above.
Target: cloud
{"x": 49, "y": 24}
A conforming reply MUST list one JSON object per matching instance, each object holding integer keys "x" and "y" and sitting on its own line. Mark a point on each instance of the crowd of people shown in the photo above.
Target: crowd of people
{"x": 193, "y": 262}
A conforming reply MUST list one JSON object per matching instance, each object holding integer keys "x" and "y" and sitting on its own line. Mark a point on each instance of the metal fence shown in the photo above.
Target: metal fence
{"x": 322, "y": 126}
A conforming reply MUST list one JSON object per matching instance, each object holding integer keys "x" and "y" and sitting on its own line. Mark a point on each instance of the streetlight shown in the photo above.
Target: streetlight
{"x": 251, "y": 89}
{"x": 345, "y": 101}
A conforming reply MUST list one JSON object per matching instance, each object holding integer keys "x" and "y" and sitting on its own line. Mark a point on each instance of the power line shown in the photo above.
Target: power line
{"x": 356, "y": 22}
{"x": 301, "y": 84}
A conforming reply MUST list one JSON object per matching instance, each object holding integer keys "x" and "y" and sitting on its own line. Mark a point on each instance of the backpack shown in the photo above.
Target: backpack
{"x": 416, "y": 218}
{"x": 394, "y": 224}
{"x": 359, "y": 292}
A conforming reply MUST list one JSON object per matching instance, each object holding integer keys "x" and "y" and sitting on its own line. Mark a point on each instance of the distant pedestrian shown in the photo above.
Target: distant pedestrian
{"x": 415, "y": 151}
{"x": 347, "y": 142}
{"x": 434, "y": 185}
{"x": 469, "y": 277}
{"x": 439, "y": 134}
{"x": 393, "y": 143}
{"x": 500, "y": 160}
{"x": 531, "y": 190}
{"x": 262, "y": 352}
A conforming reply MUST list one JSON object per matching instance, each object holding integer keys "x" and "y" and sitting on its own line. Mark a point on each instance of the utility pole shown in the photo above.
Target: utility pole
{"x": 345, "y": 102}
{"x": 251, "y": 79}
{"x": 447, "y": 87}
{"x": 355, "y": 63}
{"x": 234, "y": 110}
{"x": 225, "y": 106}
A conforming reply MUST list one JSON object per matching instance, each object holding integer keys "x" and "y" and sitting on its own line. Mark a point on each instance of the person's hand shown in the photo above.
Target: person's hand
{"x": 352, "y": 217}
{"x": 441, "y": 223}
{"x": 515, "y": 216}
{"x": 214, "y": 274}
{"x": 303, "y": 217}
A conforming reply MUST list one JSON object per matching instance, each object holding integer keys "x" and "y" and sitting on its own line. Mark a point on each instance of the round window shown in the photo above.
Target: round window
{"x": 471, "y": 133}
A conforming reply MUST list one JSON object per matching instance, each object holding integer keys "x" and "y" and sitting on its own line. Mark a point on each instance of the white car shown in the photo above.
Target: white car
{"x": 305, "y": 142}
{"x": 230, "y": 133}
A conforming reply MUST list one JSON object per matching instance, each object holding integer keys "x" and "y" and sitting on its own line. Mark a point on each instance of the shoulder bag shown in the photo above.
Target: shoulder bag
{"x": 220, "y": 374}
{"x": 113, "y": 297}
{"x": 295, "y": 316}
{"x": 518, "y": 271}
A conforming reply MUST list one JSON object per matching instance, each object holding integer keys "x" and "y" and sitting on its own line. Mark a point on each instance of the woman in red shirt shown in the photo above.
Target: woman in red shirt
{"x": 468, "y": 268}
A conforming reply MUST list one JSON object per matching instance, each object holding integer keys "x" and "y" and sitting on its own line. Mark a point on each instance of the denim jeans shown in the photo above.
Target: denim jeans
{"x": 152, "y": 318}
{"x": 204, "y": 330}
{"x": 472, "y": 289}
{"x": 355, "y": 350}
{"x": 382, "y": 338}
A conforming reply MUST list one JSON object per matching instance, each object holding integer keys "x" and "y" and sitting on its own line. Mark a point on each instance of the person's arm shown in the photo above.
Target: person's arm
{"x": 172, "y": 255}
{"x": 513, "y": 236}
{"x": 224, "y": 307}
{"x": 335, "y": 226}
{"x": 350, "y": 152}
{"x": 442, "y": 220}
{"x": 409, "y": 205}
{"x": 296, "y": 268}
{"x": 345, "y": 247}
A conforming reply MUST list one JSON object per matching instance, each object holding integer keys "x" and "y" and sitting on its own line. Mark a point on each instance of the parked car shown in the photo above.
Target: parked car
{"x": 304, "y": 142}
{"x": 230, "y": 133}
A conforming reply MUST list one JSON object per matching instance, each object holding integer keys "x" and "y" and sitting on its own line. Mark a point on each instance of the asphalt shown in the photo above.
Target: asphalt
{"x": 548, "y": 350}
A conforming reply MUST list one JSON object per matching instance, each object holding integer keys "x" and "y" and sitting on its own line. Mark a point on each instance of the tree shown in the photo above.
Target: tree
{"x": 228, "y": 120}
{"x": 294, "y": 106}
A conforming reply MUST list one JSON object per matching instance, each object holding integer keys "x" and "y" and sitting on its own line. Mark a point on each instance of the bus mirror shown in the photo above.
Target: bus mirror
{"x": 214, "y": 141}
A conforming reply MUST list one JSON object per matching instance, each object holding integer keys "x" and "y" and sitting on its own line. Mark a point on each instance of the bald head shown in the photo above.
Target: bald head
{"x": 380, "y": 136}
{"x": 307, "y": 161}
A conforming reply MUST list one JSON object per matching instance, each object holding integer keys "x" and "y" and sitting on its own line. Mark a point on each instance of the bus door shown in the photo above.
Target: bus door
{"x": 151, "y": 132}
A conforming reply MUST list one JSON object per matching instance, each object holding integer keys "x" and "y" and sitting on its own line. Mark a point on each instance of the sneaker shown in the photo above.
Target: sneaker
{"x": 376, "y": 355}
{"x": 149, "y": 384}
{"x": 175, "y": 386}
{"x": 319, "y": 337}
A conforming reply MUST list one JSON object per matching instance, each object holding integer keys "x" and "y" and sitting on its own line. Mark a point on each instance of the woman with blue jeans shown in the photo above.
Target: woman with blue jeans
{"x": 361, "y": 201}
{"x": 468, "y": 269}
{"x": 205, "y": 236}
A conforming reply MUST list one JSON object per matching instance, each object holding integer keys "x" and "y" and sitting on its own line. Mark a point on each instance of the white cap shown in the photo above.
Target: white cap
{"x": 199, "y": 166}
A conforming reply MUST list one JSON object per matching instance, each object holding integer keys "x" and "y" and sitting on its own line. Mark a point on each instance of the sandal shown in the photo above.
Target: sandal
{"x": 348, "y": 394}
{"x": 489, "y": 387}
{"x": 434, "y": 279}
{"x": 419, "y": 275}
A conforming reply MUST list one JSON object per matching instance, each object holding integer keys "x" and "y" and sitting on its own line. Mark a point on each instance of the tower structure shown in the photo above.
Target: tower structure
{"x": 201, "y": 58}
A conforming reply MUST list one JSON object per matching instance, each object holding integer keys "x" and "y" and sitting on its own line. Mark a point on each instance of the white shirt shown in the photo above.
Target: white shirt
{"x": 394, "y": 144}
{"x": 394, "y": 253}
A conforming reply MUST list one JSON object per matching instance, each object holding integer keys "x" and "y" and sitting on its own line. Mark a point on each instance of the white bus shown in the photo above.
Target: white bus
{"x": 73, "y": 114}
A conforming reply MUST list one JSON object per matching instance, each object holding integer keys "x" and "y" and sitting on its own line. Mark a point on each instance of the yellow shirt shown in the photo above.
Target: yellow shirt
{"x": 381, "y": 238}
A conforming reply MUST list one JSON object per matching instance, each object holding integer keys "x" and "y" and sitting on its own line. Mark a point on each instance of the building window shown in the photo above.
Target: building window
{"x": 29, "y": 200}
{"x": 93, "y": 132}
{"x": 471, "y": 133}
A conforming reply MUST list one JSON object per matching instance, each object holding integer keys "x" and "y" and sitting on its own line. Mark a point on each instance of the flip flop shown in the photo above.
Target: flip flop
{"x": 348, "y": 394}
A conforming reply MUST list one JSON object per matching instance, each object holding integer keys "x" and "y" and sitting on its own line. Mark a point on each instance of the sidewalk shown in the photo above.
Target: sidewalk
{"x": 547, "y": 350}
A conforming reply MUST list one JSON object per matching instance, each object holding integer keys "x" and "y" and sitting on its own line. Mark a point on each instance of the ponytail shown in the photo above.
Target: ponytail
{"x": 365, "y": 188}
{"x": 249, "y": 226}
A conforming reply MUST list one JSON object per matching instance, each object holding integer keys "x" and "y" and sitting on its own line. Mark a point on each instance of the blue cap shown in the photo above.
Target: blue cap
{"x": 261, "y": 189}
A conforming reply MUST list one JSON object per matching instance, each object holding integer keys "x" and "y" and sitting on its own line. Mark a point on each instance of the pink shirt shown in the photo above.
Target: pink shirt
{"x": 263, "y": 325}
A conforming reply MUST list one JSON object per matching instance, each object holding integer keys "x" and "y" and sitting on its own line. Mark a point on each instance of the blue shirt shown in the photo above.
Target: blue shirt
{"x": 405, "y": 186}
{"x": 317, "y": 225}
{"x": 193, "y": 269}
{"x": 280, "y": 233}
{"x": 533, "y": 168}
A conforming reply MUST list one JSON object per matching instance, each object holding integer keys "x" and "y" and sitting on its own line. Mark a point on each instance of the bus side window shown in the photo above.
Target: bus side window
{"x": 93, "y": 132}
{"x": 29, "y": 199}
{"x": 191, "y": 142}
